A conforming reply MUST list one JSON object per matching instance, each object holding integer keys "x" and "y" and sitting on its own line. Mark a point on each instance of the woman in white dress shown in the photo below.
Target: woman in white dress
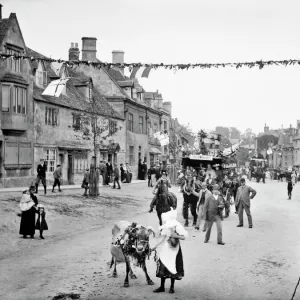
{"x": 170, "y": 263}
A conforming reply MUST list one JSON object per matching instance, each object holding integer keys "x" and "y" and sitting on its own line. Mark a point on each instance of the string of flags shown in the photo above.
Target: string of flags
{"x": 146, "y": 67}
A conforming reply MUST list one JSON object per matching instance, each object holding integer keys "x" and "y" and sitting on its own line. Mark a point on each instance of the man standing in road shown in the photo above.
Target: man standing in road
{"x": 243, "y": 202}
{"x": 41, "y": 176}
{"x": 212, "y": 212}
{"x": 116, "y": 176}
{"x": 203, "y": 195}
{"x": 56, "y": 176}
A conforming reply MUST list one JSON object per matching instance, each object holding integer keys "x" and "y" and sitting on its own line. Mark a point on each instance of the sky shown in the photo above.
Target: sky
{"x": 190, "y": 31}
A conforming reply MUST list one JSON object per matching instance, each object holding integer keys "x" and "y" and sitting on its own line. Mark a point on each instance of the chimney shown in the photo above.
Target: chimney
{"x": 89, "y": 49}
{"x": 168, "y": 106}
{"x": 1, "y": 11}
{"x": 118, "y": 58}
{"x": 74, "y": 52}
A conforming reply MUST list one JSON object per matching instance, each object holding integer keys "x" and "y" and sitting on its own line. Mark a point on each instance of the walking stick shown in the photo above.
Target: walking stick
{"x": 296, "y": 288}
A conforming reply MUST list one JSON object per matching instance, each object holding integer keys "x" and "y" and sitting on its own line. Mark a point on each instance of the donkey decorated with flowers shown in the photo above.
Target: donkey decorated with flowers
{"x": 130, "y": 242}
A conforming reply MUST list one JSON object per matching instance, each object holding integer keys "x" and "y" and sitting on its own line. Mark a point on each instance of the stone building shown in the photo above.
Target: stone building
{"x": 144, "y": 113}
{"x": 16, "y": 102}
{"x": 58, "y": 131}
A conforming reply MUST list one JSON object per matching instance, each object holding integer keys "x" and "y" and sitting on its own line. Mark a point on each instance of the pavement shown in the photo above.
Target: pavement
{"x": 63, "y": 187}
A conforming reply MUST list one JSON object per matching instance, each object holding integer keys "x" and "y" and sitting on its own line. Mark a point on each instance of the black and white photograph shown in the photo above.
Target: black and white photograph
{"x": 149, "y": 149}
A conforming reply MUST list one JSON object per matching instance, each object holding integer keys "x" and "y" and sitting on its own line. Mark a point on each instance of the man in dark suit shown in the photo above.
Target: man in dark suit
{"x": 109, "y": 170}
{"x": 243, "y": 202}
{"x": 212, "y": 212}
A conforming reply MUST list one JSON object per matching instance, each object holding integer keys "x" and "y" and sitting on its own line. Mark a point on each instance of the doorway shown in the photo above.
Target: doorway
{"x": 70, "y": 169}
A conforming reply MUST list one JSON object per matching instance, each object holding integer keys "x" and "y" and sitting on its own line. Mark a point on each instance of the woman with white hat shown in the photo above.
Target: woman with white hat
{"x": 170, "y": 263}
{"x": 27, "y": 206}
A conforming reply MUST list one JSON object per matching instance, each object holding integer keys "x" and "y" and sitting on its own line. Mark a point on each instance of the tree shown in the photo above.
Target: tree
{"x": 224, "y": 131}
{"x": 264, "y": 141}
{"x": 95, "y": 123}
{"x": 234, "y": 133}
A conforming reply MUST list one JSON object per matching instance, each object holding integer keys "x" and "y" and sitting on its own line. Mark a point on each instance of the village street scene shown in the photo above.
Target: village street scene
{"x": 149, "y": 150}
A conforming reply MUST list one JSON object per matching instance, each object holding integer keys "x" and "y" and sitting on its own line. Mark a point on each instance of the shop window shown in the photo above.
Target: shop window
{"x": 50, "y": 158}
{"x": 80, "y": 163}
{"x": 51, "y": 116}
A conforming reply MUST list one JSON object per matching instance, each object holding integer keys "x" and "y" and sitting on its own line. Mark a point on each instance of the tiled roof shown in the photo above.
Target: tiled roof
{"x": 126, "y": 83}
{"x": 74, "y": 98}
{"x": 34, "y": 64}
{"x": 148, "y": 95}
{"x": 4, "y": 26}
{"x": 116, "y": 74}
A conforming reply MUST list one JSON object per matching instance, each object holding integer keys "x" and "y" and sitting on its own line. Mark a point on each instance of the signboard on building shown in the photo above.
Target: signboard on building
{"x": 201, "y": 157}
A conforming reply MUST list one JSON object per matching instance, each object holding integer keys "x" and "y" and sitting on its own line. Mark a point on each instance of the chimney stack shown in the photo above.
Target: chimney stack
{"x": 74, "y": 52}
{"x": 89, "y": 49}
{"x": 118, "y": 58}
{"x": 1, "y": 11}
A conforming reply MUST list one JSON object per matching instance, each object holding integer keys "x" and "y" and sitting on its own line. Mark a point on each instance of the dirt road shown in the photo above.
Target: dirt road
{"x": 258, "y": 263}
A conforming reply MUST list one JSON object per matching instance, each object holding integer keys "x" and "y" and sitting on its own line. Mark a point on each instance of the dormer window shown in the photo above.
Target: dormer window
{"x": 41, "y": 76}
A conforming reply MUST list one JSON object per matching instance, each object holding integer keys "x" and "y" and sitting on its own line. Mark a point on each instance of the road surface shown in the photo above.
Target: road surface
{"x": 258, "y": 263}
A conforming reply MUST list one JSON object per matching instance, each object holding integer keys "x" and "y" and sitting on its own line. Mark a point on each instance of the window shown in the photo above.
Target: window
{"x": 13, "y": 64}
{"x": 113, "y": 127}
{"x": 76, "y": 122}
{"x": 41, "y": 78}
{"x": 155, "y": 127}
{"x": 141, "y": 125}
{"x": 131, "y": 156}
{"x": 51, "y": 115}
{"x": 5, "y": 98}
{"x": 130, "y": 122}
{"x": 165, "y": 125}
{"x": 20, "y": 100}
{"x": 50, "y": 158}
{"x": 80, "y": 163}
{"x": 149, "y": 129}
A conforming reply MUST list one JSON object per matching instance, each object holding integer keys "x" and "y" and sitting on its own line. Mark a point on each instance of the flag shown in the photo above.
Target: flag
{"x": 55, "y": 87}
{"x": 231, "y": 150}
{"x": 138, "y": 72}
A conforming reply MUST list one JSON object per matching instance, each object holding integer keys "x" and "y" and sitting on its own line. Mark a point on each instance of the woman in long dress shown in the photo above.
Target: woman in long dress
{"x": 170, "y": 263}
{"x": 27, "y": 205}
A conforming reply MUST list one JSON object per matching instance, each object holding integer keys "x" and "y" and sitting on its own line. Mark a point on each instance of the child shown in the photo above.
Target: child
{"x": 170, "y": 263}
{"x": 290, "y": 188}
{"x": 41, "y": 224}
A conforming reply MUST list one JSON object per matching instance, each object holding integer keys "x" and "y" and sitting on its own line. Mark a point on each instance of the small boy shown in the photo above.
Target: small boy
{"x": 290, "y": 189}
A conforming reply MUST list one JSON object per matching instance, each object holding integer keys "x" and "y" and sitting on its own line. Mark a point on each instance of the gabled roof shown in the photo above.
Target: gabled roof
{"x": 34, "y": 64}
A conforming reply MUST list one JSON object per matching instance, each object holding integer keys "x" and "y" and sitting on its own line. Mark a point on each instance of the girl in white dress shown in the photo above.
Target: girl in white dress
{"x": 170, "y": 263}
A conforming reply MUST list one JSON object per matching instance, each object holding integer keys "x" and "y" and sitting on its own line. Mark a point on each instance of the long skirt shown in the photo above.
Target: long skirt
{"x": 27, "y": 226}
{"x": 165, "y": 264}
